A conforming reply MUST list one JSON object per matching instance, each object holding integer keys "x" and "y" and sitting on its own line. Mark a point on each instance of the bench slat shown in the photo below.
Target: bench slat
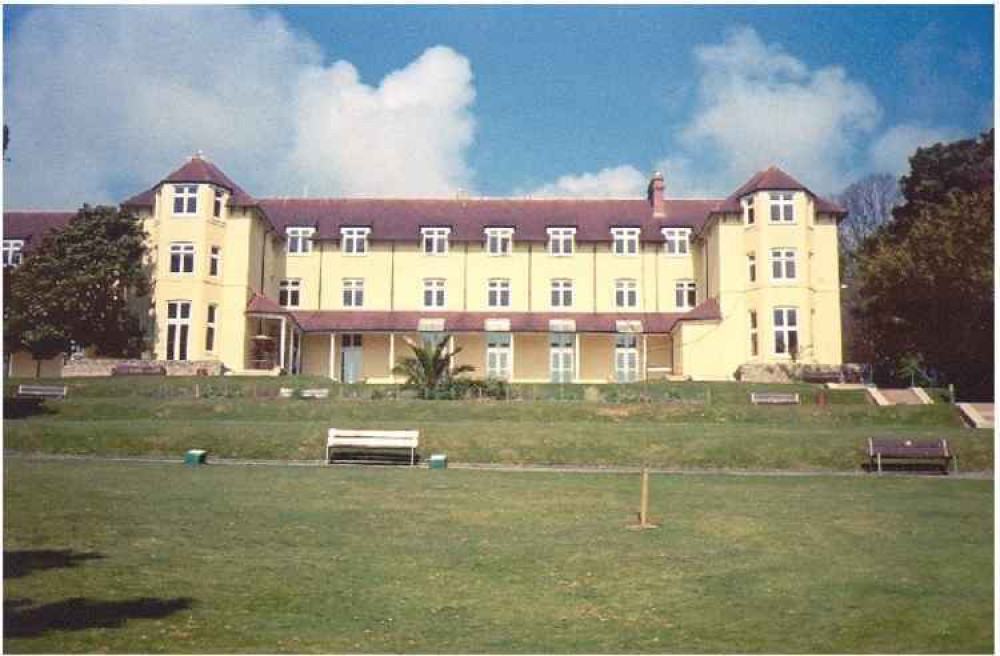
{"x": 372, "y": 439}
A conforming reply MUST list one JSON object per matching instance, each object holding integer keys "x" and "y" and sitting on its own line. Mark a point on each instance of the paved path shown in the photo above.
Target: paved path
{"x": 562, "y": 469}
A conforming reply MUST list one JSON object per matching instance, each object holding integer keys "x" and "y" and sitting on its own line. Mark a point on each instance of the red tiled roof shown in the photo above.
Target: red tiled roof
{"x": 200, "y": 170}
{"x": 401, "y": 219}
{"x": 264, "y": 305}
{"x": 29, "y": 226}
{"x": 774, "y": 179}
{"x": 520, "y": 322}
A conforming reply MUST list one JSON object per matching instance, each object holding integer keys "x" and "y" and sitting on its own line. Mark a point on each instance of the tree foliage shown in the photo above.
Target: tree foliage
{"x": 926, "y": 277}
{"x": 431, "y": 371}
{"x": 76, "y": 286}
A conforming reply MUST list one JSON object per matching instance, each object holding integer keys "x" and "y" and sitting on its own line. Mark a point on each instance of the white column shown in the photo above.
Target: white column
{"x": 281, "y": 346}
{"x": 512, "y": 357}
{"x": 451, "y": 349}
{"x": 576, "y": 358}
{"x": 645, "y": 367}
{"x": 300, "y": 345}
{"x": 333, "y": 356}
{"x": 392, "y": 357}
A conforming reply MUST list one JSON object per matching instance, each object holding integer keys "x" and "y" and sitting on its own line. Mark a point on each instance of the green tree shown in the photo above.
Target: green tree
{"x": 926, "y": 276}
{"x": 431, "y": 371}
{"x": 76, "y": 287}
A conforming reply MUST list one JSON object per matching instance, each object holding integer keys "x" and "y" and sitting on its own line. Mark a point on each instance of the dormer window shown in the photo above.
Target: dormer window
{"x": 676, "y": 241}
{"x": 561, "y": 241}
{"x": 499, "y": 241}
{"x": 626, "y": 241}
{"x": 185, "y": 199}
{"x": 748, "y": 215}
{"x": 299, "y": 240}
{"x": 435, "y": 240}
{"x": 12, "y": 252}
{"x": 782, "y": 207}
{"x": 217, "y": 205}
{"x": 354, "y": 241}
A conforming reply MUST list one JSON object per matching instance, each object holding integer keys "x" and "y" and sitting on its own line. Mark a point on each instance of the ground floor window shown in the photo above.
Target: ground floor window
{"x": 210, "y": 321}
{"x": 498, "y": 356}
{"x": 786, "y": 331}
{"x": 753, "y": 333}
{"x": 178, "y": 328}
{"x": 626, "y": 359}
{"x": 350, "y": 358}
{"x": 561, "y": 357}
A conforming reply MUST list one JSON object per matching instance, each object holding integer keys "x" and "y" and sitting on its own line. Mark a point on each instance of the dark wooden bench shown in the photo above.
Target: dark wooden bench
{"x": 774, "y": 398}
{"x": 893, "y": 450}
{"x": 138, "y": 369}
{"x": 823, "y": 377}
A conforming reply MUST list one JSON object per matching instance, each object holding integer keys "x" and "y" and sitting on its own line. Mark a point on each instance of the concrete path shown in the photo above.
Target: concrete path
{"x": 560, "y": 469}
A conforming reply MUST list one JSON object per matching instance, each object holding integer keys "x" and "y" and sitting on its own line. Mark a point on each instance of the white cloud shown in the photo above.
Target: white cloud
{"x": 891, "y": 152}
{"x": 104, "y": 99}
{"x": 616, "y": 182}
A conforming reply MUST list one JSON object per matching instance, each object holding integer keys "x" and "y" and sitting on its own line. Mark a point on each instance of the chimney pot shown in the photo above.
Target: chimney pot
{"x": 655, "y": 195}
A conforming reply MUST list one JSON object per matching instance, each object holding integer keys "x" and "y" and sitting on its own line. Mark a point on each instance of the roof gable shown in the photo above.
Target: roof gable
{"x": 196, "y": 170}
{"x": 774, "y": 179}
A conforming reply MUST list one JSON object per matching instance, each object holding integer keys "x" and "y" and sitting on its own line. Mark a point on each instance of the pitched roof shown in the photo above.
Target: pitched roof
{"x": 401, "y": 219}
{"x": 29, "y": 226}
{"x": 774, "y": 178}
{"x": 196, "y": 170}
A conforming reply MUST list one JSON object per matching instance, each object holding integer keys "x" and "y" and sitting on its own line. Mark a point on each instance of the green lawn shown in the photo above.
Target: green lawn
{"x": 688, "y": 425}
{"x": 129, "y": 557}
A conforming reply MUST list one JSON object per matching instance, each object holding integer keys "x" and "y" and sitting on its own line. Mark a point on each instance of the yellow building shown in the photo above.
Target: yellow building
{"x": 530, "y": 290}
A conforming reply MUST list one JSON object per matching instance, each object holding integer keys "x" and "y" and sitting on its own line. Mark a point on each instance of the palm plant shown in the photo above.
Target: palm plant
{"x": 430, "y": 370}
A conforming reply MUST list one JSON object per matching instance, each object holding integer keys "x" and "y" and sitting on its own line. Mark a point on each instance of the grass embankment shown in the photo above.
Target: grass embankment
{"x": 692, "y": 425}
{"x": 105, "y": 557}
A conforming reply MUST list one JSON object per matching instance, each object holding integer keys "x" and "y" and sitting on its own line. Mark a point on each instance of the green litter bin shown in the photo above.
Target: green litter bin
{"x": 195, "y": 457}
{"x": 438, "y": 461}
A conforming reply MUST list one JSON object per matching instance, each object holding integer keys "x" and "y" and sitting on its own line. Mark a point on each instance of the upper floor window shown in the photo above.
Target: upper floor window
{"x": 181, "y": 257}
{"x": 210, "y": 322}
{"x": 435, "y": 240}
{"x": 626, "y": 293}
{"x": 354, "y": 241}
{"x": 290, "y": 292}
{"x": 685, "y": 294}
{"x": 782, "y": 207}
{"x": 434, "y": 293}
{"x": 498, "y": 292}
{"x": 499, "y": 241}
{"x": 786, "y": 331}
{"x": 783, "y": 264}
{"x": 748, "y": 214}
{"x": 676, "y": 241}
{"x": 354, "y": 292}
{"x": 299, "y": 240}
{"x": 185, "y": 199}
{"x": 626, "y": 241}
{"x": 12, "y": 252}
{"x": 561, "y": 241}
{"x": 217, "y": 205}
{"x": 562, "y": 293}
{"x": 214, "y": 262}
{"x": 752, "y": 267}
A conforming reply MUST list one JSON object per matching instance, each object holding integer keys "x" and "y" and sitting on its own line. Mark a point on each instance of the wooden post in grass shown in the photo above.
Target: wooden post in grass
{"x": 644, "y": 498}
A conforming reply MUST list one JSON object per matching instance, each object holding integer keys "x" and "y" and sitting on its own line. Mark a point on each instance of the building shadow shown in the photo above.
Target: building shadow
{"x": 17, "y": 564}
{"x": 15, "y": 408}
{"x": 22, "y": 620}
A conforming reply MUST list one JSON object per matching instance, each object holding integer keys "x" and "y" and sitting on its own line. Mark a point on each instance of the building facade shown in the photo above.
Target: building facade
{"x": 529, "y": 290}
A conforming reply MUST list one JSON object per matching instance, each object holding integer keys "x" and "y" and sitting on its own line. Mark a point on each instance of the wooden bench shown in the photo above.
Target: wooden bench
{"x": 822, "y": 377}
{"x": 40, "y": 392}
{"x": 893, "y": 449}
{"x": 773, "y": 398}
{"x": 138, "y": 369}
{"x": 340, "y": 438}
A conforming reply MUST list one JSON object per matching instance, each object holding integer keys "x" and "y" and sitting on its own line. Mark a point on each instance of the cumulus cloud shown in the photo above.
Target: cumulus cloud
{"x": 615, "y": 182}
{"x": 891, "y": 152}
{"x": 102, "y": 102}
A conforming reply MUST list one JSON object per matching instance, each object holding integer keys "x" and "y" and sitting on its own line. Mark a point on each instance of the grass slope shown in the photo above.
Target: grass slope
{"x": 162, "y": 558}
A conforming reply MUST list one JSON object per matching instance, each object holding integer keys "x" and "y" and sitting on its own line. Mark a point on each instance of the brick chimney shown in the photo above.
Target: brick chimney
{"x": 655, "y": 194}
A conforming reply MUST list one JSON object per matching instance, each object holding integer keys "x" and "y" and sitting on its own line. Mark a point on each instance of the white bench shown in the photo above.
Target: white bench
{"x": 372, "y": 439}
{"x": 318, "y": 393}
{"x": 41, "y": 392}
{"x": 773, "y": 398}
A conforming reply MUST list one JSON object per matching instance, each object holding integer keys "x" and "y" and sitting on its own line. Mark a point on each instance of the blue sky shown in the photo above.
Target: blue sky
{"x": 543, "y": 100}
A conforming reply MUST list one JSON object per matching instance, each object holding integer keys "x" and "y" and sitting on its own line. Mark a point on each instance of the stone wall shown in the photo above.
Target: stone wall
{"x": 94, "y": 367}
{"x": 796, "y": 372}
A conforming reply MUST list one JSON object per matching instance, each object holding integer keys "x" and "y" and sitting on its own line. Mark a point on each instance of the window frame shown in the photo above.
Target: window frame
{"x": 749, "y": 214}
{"x": 498, "y": 293}
{"x": 560, "y": 289}
{"x": 187, "y": 195}
{"x": 626, "y": 294}
{"x": 786, "y": 329}
{"x": 503, "y": 238}
{"x": 754, "y": 342}
{"x": 626, "y": 349}
{"x": 687, "y": 291}
{"x": 782, "y": 260}
{"x": 627, "y": 239}
{"x": 751, "y": 267}
{"x": 302, "y": 236}
{"x": 353, "y": 289}
{"x": 782, "y": 201}
{"x": 676, "y": 242}
{"x": 286, "y": 288}
{"x": 354, "y": 236}
{"x": 211, "y": 324}
{"x": 13, "y": 249}
{"x": 215, "y": 262}
{"x": 186, "y": 253}
{"x": 178, "y": 337}
{"x": 435, "y": 289}
{"x": 561, "y": 345}
{"x": 437, "y": 239}
{"x": 499, "y": 349}
{"x": 565, "y": 237}
{"x": 217, "y": 203}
